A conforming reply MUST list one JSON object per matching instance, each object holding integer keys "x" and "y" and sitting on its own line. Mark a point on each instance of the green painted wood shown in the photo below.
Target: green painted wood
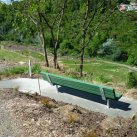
{"x": 110, "y": 93}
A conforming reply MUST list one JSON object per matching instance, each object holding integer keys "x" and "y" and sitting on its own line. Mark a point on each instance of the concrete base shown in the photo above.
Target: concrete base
{"x": 125, "y": 107}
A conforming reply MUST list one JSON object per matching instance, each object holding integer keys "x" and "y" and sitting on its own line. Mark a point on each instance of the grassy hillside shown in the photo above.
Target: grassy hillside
{"x": 100, "y": 71}
{"x": 6, "y": 55}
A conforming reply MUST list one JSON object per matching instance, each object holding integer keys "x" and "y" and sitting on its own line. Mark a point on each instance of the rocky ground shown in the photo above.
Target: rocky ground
{"x": 24, "y": 115}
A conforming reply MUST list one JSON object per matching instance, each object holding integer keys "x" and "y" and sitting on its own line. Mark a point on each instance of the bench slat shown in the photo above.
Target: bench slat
{"x": 109, "y": 92}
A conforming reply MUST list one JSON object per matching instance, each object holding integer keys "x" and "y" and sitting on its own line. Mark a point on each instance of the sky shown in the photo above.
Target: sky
{"x": 6, "y": 1}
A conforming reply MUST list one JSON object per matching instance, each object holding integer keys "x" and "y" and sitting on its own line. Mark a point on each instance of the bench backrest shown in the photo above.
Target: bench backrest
{"x": 79, "y": 85}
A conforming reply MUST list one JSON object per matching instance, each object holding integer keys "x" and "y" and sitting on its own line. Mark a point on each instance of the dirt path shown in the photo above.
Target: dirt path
{"x": 123, "y": 65}
{"x": 109, "y": 62}
{"x": 22, "y": 115}
{"x": 9, "y": 126}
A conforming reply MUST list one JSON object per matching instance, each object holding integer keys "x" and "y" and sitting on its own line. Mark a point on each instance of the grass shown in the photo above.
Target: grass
{"x": 46, "y": 103}
{"x": 20, "y": 55}
{"x": 20, "y": 70}
{"x": 89, "y": 133}
{"x": 94, "y": 69}
{"x": 14, "y": 71}
{"x": 11, "y": 56}
{"x": 73, "y": 118}
{"x": 135, "y": 126}
{"x": 97, "y": 70}
{"x": 33, "y": 54}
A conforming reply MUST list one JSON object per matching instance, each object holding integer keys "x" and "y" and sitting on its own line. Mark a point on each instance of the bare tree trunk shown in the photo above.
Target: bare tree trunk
{"x": 82, "y": 52}
{"x": 84, "y": 33}
{"x": 44, "y": 41}
{"x": 84, "y": 30}
{"x": 55, "y": 58}
{"x": 55, "y": 41}
{"x": 45, "y": 50}
{"x": 56, "y": 65}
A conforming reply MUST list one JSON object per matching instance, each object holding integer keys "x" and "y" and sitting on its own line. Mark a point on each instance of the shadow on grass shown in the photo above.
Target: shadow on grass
{"x": 113, "y": 104}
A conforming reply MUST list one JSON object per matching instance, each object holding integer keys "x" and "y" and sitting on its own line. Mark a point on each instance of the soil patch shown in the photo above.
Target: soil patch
{"x": 21, "y": 47}
{"x": 32, "y": 115}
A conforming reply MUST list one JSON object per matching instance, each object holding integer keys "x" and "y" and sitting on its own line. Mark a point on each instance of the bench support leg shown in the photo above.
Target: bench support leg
{"x": 108, "y": 103}
{"x": 57, "y": 88}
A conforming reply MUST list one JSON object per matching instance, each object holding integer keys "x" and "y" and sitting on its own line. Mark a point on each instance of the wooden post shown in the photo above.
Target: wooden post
{"x": 39, "y": 86}
{"x": 57, "y": 88}
{"x": 102, "y": 94}
{"x": 108, "y": 103}
{"x": 30, "y": 72}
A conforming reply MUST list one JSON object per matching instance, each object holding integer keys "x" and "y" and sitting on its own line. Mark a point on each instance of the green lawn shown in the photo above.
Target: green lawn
{"x": 35, "y": 55}
{"x": 11, "y": 56}
{"x": 20, "y": 55}
{"x": 94, "y": 69}
{"x": 97, "y": 70}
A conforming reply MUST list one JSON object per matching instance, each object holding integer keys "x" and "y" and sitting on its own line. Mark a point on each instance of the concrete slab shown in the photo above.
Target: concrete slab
{"x": 125, "y": 107}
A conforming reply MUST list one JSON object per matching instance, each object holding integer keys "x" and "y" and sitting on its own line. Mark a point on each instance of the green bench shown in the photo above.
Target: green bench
{"x": 107, "y": 93}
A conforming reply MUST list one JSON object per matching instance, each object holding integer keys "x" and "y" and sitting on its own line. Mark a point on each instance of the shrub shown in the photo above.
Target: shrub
{"x": 73, "y": 72}
{"x": 36, "y": 68}
{"x": 65, "y": 48}
{"x": 73, "y": 118}
{"x": 132, "y": 80}
{"x": 88, "y": 76}
{"x": 103, "y": 79}
{"x": 47, "y": 103}
{"x": 89, "y": 133}
{"x": 110, "y": 50}
{"x": 16, "y": 89}
{"x": 132, "y": 59}
{"x": 14, "y": 70}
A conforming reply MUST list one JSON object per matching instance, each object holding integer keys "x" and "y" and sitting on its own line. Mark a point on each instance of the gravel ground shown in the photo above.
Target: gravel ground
{"x": 24, "y": 115}
{"x": 9, "y": 126}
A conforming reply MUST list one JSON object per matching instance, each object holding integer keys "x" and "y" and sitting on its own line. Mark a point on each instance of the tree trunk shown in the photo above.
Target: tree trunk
{"x": 82, "y": 52}
{"x": 44, "y": 41}
{"x": 45, "y": 50}
{"x": 84, "y": 30}
{"x": 84, "y": 33}
{"x": 55, "y": 41}
{"x": 56, "y": 65}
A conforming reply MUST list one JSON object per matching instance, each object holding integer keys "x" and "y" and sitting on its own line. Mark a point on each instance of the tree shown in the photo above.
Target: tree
{"x": 55, "y": 26}
{"x": 90, "y": 12}
{"x": 32, "y": 12}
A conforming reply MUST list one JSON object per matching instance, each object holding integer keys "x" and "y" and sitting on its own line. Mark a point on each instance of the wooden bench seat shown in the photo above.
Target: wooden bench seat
{"x": 107, "y": 93}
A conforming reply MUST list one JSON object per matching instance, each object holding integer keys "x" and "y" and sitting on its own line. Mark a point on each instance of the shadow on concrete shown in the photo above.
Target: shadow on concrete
{"x": 113, "y": 104}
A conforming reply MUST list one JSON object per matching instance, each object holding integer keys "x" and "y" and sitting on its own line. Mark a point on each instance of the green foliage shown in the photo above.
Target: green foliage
{"x": 133, "y": 57}
{"x": 20, "y": 22}
{"x": 36, "y": 68}
{"x": 110, "y": 50}
{"x": 66, "y": 48}
{"x": 14, "y": 71}
{"x": 104, "y": 79}
{"x": 132, "y": 80}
